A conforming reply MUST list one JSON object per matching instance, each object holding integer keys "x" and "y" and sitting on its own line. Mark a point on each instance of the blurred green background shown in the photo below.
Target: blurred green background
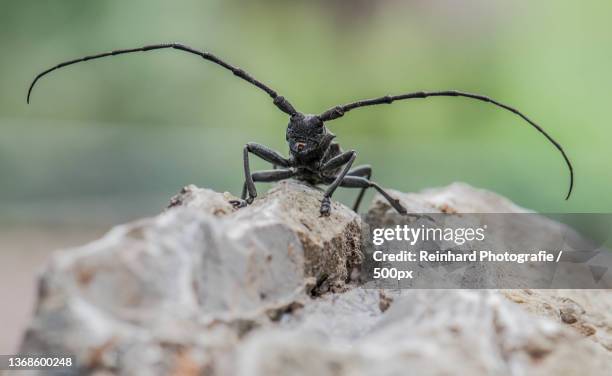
{"x": 112, "y": 140}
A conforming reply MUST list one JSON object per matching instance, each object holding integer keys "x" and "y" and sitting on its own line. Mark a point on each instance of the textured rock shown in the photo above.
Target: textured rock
{"x": 267, "y": 290}
{"x": 429, "y": 333}
{"x": 514, "y": 230}
{"x": 146, "y": 291}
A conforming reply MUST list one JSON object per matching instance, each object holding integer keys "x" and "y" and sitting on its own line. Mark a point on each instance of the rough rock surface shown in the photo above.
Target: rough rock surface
{"x": 203, "y": 289}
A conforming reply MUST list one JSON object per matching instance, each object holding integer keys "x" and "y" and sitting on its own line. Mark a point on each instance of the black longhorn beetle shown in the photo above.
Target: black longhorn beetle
{"x": 314, "y": 157}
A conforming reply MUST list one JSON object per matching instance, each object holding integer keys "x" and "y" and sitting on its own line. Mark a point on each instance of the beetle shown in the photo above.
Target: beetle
{"x": 314, "y": 157}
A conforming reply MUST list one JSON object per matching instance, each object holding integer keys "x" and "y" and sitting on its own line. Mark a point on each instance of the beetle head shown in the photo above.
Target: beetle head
{"x": 307, "y": 136}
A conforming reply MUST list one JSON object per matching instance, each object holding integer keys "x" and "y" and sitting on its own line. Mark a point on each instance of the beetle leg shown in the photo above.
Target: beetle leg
{"x": 345, "y": 159}
{"x": 262, "y": 176}
{"x": 361, "y": 182}
{"x": 267, "y": 155}
{"x": 362, "y": 171}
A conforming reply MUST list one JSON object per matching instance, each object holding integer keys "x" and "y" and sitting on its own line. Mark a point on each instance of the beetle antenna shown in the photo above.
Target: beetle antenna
{"x": 339, "y": 111}
{"x": 280, "y": 102}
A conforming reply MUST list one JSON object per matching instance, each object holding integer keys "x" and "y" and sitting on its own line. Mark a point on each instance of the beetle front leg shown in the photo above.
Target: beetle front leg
{"x": 347, "y": 159}
{"x": 267, "y": 155}
{"x": 268, "y": 176}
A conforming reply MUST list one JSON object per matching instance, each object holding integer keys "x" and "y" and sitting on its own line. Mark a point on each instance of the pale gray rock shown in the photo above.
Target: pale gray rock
{"x": 203, "y": 289}
{"x": 430, "y": 332}
{"x": 511, "y": 228}
{"x": 153, "y": 289}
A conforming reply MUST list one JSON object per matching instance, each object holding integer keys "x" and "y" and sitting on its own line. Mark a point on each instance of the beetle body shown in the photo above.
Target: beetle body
{"x": 314, "y": 157}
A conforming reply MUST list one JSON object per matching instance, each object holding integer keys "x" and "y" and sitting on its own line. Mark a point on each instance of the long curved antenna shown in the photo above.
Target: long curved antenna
{"x": 280, "y": 102}
{"x": 339, "y": 111}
